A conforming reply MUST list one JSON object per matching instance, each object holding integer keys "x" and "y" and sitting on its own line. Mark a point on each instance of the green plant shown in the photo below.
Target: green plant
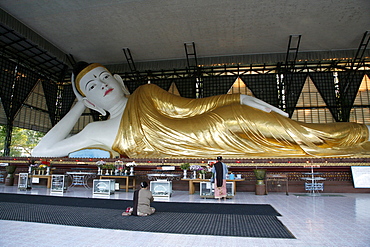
{"x": 260, "y": 175}
{"x": 9, "y": 180}
{"x": 203, "y": 171}
{"x": 185, "y": 166}
{"x": 109, "y": 166}
{"x": 10, "y": 170}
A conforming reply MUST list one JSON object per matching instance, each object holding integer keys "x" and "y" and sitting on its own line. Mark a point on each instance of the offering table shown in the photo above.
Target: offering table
{"x": 197, "y": 180}
{"x": 127, "y": 185}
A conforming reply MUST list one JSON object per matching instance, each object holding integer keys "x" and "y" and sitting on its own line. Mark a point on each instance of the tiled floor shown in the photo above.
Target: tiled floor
{"x": 342, "y": 220}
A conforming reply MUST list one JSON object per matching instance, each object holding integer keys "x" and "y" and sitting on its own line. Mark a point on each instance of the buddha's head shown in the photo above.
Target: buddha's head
{"x": 96, "y": 85}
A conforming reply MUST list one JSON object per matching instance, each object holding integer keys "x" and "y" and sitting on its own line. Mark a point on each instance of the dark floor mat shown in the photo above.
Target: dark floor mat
{"x": 265, "y": 226}
{"x": 180, "y": 207}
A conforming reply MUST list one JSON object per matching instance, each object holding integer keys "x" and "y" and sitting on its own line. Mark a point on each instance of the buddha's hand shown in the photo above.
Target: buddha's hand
{"x": 77, "y": 94}
{"x": 84, "y": 100}
{"x": 261, "y": 105}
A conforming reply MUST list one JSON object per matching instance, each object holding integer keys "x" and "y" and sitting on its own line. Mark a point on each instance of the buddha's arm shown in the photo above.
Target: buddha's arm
{"x": 190, "y": 107}
{"x": 259, "y": 104}
{"x": 52, "y": 143}
{"x": 179, "y": 107}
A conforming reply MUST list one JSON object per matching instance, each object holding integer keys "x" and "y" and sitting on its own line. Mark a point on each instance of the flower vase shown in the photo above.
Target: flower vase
{"x": 29, "y": 169}
{"x": 48, "y": 171}
{"x": 106, "y": 172}
{"x": 99, "y": 171}
{"x": 125, "y": 172}
{"x": 185, "y": 173}
{"x": 42, "y": 172}
{"x": 39, "y": 172}
{"x": 131, "y": 171}
{"x": 194, "y": 174}
{"x": 111, "y": 172}
{"x": 203, "y": 176}
{"x": 200, "y": 175}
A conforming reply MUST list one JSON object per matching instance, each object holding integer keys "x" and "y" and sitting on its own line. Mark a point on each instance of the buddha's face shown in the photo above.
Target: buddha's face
{"x": 100, "y": 87}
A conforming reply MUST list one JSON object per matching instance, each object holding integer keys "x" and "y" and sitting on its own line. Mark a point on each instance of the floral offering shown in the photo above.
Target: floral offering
{"x": 42, "y": 167}
{"x": 195, "y": 168}
{"x": 100, "y": 163}
{"x": 204, "y": 170}
{"x": 118, "y": 163}
{"x": 131, "y": 164}
{"x": 45, "y": 163}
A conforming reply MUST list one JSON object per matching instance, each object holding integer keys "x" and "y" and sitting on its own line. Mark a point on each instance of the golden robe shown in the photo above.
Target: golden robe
{"x": 157, "y": 124}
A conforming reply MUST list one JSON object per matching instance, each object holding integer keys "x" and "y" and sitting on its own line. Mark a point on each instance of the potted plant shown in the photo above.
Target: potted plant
{"x": 100, "y": 164}
{"x": 260, "y": 183}
{"x": 131, "y": 166}
{"x": 185, "y": 167}
{"x": 9, "y": 180}
{"x": 118, "y": 167}
{"x": 203, "y": 173}
{"x": 112, "y": 168}
{"x": 106, "y": 168}
{"x": 32, "y": 166}
{"x": 195, "y": 168}
{"x": 41, "y": 169}
{"x": 47, "y": 166}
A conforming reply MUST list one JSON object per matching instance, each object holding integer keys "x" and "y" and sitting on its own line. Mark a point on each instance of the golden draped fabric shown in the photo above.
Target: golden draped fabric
{"x": 157, "y": 124}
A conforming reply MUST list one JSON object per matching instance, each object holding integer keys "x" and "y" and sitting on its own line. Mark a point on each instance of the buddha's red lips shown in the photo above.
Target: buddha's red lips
{"x": 108, "y": 91}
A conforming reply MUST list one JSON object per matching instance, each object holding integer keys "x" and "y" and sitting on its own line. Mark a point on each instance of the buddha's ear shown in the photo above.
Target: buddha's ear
{"x": 91, "y": 105}
{"x": 124, "y": 88}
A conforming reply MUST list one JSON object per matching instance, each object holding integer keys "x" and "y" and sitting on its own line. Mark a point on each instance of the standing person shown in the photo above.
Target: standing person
{"x": 219, "y": 171}
{"x": 142, "y": 200}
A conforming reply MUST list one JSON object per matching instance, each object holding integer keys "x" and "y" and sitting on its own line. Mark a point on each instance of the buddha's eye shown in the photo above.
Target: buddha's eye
{"x": 92, "y": 86}
{"x": 105, "y": 76}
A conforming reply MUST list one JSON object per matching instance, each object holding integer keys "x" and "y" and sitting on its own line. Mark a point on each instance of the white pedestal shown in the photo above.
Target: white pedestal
{"x": 104, "y": 186}
{"x": 207, "y": 189}
{"x": 58, "y": 183}
{"x": 161, "y": 188}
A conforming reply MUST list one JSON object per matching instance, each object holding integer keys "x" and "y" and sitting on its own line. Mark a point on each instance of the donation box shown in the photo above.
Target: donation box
{"x": 104, "y": 186}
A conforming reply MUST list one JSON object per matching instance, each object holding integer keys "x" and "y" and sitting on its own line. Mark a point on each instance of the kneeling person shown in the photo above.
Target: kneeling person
{"x": 142, "y": 200}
